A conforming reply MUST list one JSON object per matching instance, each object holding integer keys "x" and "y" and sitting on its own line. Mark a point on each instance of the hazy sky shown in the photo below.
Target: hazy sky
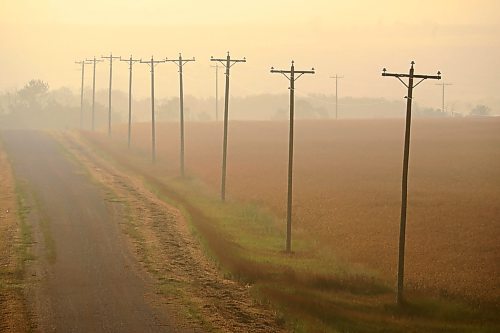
{"x": 43, "y": 38}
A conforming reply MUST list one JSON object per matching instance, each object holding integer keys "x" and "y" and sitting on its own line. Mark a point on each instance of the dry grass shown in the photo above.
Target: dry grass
{"x": 14, "y": 240}
{"x": 347, "y": 190}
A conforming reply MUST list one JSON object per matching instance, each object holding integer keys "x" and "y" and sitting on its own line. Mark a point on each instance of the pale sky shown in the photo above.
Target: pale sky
{"x": 43, "y": 38}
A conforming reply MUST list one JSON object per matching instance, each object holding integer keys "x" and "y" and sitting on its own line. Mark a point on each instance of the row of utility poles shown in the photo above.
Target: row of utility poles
{"x": 292, "y": 75}
{"x": 180, "y": 62}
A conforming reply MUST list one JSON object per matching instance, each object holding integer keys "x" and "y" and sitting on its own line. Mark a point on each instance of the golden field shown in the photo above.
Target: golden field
{"x": 347, "y": 183}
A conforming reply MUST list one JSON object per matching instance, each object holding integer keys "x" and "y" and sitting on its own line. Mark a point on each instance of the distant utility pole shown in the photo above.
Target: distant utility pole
{"x": 216, "y": 91}
{"x": 336, "y": 77}
{"x": 180, "y": 63}
{"x": 83, "y": 62}
{"x": 404, "y": 183}
{"x": 93, "y": 61}
{"x": 110, "y": 83}
{"x": 443, "y": 85}
{"x": 292, "y": 80}
{"x": 130, "y": 63}
{"x": 152, "y": 63}
{"x": 227, "y": 63}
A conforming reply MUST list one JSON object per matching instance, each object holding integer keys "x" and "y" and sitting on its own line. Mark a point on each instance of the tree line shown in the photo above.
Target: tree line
{"x": 37, "y": 106}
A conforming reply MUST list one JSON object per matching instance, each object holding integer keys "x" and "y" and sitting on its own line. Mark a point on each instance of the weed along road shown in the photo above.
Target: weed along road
{"x": 83, "y": 277}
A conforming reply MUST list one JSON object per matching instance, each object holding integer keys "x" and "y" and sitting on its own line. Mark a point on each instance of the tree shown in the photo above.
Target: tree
{"x": 33, "y": 96}
{"x": 480, "y": 110}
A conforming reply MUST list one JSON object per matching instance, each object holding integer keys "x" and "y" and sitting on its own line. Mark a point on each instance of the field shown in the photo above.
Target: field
{"x": 347, "y": 190}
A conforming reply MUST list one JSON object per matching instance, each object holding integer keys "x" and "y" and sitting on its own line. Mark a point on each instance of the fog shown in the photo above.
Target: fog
{"x": 355, "y": 188}
{"x": 36, "y": 105}
{"x": 43, "y": 39}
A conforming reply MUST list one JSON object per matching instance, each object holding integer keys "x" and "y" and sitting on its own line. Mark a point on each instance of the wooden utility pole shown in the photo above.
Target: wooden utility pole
{"x": 130, "y": 64}
{"x": 404, "y": 184}
{"x": 180, "y": 63}
{"x": 227, "y": 63}
{"x": 83, "y": 63}
{"x": 93, "y": 61}
{"x": 110, "y": 86}
{"x": 216, "y": 91}
{"x": 336, "y": 77}
{"x": 292, "y": 80}
{"x": 152, "y": 63}
{"x": 442, "y": 101}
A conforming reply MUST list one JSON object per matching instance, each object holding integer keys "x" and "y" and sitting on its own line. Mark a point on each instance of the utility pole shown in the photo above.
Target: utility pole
{"x": 216, "y": 91}
{"x": 83, "y": 63}
{"x": 336, "y": 77}
{"x": 180, "y": 63}
{"x": 130, "y": 63}
{"x": 110, "y": 81}
{"x": 404, "y": 184}
{"x": 152, "y": 63}
{"x": 93, "y": 61}
{"x": 443, "y": 85}
{"x": 227, "y": 63}
{"x": 292, "y": 80}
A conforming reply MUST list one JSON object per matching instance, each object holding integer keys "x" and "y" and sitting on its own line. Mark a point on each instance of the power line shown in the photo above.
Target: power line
{"x": 443, "y": 85}
{"x": 404, "y": 182}
{"x": 180, "y": 63}
{"x": 83, "y": 63}
{"x": 110, "y": 84}
{"x": 336, "y": 77}
{"x": 227, "y": 63}
{"x": 93, "y": 61}
{"x": 152, "y": 63}
{"x": 130, "y": 61}
{"x": 292, "y": 80}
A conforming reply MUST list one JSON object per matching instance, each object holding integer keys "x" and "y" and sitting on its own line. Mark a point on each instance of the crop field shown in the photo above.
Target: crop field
{"x": 347, "y": 190}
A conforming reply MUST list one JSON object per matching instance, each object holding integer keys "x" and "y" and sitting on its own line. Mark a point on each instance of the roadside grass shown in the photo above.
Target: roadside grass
{"x": 15, "y": 249}
{"x": 314, "y": 291}
{"x": 22, "y": 243}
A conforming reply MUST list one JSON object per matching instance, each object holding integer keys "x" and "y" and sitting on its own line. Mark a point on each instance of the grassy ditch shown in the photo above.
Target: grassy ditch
{"x": 314, "y": 290}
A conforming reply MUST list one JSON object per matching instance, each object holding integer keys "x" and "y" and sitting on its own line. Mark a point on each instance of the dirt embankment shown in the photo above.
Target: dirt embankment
{"x": 13, "y": 316}
{"x": 161, "y": 238}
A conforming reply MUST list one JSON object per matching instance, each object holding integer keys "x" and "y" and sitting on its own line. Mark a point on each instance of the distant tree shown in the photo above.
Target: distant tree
{"x": 34, "y": 95}
{"x": 204, "y": 116}
{"x": 480, "y": 110}
{"x": 280, "y": 114}
{"x": 429, "y": 112}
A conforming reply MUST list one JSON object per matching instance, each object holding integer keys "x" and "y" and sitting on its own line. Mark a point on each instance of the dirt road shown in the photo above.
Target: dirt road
{"x": 84, "y": 278}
